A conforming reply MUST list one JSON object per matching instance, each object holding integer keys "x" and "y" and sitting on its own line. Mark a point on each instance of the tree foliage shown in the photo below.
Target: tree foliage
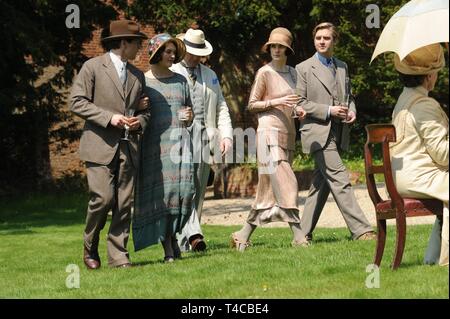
{"x": 35, "y": 38}
{"x": 38, "y": 58}
{"x": 238, "y": 29}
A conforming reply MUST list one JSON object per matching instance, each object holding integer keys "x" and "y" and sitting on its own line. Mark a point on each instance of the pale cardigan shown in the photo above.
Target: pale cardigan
{"x": 217, "y": 116}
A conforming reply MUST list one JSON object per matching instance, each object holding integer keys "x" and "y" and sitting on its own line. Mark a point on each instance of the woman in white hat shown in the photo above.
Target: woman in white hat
{"x": 273, "y": 99}
{"x": 165, "y": 189}
{"x": 420, "y": 154}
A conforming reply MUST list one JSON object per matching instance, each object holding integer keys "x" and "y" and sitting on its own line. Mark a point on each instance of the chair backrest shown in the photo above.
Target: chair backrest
{"x": 382, "y": 134}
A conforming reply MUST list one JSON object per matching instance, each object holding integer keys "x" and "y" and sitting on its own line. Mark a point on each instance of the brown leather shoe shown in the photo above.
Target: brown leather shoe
{"x": 176, "y": 249}
{"x": 197, "y": 244}
{"x": 91, "y": 259}
{"x": 370, "y": 235}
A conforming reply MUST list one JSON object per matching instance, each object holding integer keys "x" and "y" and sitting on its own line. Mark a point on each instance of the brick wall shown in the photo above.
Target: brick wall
{"x": 64, "y": 154}
{"x": 65, "y": 162}
{"x": 93, "y": 48}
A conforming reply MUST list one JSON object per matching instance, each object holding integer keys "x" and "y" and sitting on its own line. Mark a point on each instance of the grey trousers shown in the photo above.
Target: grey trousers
{"x": 192, "y": 227}
{"x": 433, "y": 251}
{"x": 110, "y": 188}
{"x": 330, "y": 174}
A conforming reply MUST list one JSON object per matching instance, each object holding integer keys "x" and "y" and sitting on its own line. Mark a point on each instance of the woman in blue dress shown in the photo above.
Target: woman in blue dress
{"x": 165, "y": 187}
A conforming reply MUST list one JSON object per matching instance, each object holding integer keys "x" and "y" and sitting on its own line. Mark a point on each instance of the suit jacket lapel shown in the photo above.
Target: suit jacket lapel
{"x": 340, "y": 73}
{"x": 131, "y": 79}
{"x": 205, "y": 79}
{"x": 112, "y": 73}
{"x": 322, "y": 73}
{"x": 179, "y": 68}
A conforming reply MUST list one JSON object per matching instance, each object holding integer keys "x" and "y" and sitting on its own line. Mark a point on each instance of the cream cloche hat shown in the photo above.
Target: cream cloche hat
{"x": 280, "y": 36}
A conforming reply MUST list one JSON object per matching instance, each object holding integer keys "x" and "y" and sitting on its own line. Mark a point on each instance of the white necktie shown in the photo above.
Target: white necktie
{"x": 123, "y": 73}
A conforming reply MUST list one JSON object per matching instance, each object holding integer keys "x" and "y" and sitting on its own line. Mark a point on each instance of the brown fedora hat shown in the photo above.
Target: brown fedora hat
{"x": 121, "y": 29}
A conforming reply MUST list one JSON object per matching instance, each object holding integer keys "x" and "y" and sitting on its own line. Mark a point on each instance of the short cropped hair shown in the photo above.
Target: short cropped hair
{"x": 114, "y": 44}
{"x": 326, "y": 25}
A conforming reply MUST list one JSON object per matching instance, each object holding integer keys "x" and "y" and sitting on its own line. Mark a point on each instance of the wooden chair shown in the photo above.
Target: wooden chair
{"x": 397, "y": 206}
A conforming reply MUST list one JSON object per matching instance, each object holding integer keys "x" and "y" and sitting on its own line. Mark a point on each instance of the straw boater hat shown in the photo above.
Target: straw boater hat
{"x": 159, "y": 40}
{"x": 425, "y": 60}
{"x": 122, "y": 29}
{"x": 280, "y": 36}
{"x": 195, "y": 42}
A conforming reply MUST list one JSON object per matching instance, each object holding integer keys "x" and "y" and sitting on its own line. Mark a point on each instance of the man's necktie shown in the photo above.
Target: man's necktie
{"x": 192, "y": 75}
{"x": 332, "y": 67}
{"x": 123, "y": 74}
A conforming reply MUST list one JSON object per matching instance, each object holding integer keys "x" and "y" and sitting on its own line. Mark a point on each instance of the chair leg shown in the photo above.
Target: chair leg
{"x": 381, "y": 241}
{"x": 400, "y": 240}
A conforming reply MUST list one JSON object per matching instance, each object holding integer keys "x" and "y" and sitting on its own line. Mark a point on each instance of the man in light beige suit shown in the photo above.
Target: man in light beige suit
{"x": 324, "y": 88}
{"x": 211, "y": 120}
{"x": 104, "y": 91}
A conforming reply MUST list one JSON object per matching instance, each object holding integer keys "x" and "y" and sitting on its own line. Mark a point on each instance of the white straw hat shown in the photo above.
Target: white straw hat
{"x": 195, "y": 42}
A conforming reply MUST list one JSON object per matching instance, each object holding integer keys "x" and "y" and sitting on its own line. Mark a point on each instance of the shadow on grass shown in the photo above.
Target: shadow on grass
{"x": 386, "y": 265}
{"x": 324, "y": 240}
{"x": 257, "y": 244}
{"x": 405, "y": 264}
{"x": 185, "y": 256}
{"x": 41, "y": 210}
{"x": 276, "y": 244}
{"x": 148, "y": 262}
{"x": 23, "y": 231}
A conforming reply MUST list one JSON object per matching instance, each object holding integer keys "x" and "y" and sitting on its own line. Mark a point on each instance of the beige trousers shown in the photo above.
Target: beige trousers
{"x": 110, "y": 188}
{"x": 330, "y": 175}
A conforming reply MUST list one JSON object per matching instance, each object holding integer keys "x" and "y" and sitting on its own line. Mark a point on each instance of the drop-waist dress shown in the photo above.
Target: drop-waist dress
{"x": 165, "y": 185}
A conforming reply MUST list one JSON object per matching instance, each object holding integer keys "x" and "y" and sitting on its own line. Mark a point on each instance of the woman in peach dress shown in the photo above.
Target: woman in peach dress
{"x": 274, "y": 101}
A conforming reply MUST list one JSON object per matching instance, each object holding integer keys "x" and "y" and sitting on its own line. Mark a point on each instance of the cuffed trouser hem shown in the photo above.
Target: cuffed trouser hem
{"x": 119, "y": 262}
{"x": 359, "y": 233}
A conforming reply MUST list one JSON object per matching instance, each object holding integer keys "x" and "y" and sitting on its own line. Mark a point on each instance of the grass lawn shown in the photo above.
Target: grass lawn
{"x": 42, "y": 235}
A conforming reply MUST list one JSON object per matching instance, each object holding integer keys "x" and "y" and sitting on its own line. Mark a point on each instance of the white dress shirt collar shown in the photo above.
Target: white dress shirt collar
{"x": 117, "y": 61}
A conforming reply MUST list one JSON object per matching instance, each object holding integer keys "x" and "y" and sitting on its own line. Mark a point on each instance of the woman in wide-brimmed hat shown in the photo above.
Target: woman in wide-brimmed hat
{"x": 165, "y": 187}
{"x": 273, "y": 99}
{"x": 420, "y": 154}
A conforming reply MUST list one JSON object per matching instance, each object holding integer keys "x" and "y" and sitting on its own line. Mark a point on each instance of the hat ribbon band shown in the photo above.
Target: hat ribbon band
{"x": 194, "y": 45}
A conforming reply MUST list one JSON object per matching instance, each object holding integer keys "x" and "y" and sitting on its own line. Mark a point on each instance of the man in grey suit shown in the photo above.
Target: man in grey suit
{"x": 324, "y": 88}
{"x": 104, "y": 91}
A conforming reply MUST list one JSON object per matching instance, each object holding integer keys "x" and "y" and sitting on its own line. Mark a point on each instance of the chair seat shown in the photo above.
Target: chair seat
{"x": 380, "y": 136}
{"x": 413, "y": 205}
